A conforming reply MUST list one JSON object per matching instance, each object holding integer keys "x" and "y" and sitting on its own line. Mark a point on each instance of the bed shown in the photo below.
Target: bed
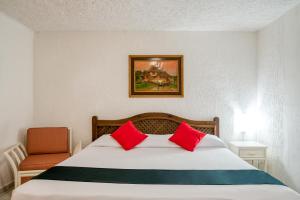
{"x": 156, "y": 153}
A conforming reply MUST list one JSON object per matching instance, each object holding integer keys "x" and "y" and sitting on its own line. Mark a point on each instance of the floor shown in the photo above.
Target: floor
{"x": 6, "y": 195}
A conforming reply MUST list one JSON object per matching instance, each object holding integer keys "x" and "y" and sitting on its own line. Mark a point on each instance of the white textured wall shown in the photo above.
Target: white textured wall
{"x": 80, "y": 74}
{"x": 279, "y": 95}
{"x": 16, "y": 87}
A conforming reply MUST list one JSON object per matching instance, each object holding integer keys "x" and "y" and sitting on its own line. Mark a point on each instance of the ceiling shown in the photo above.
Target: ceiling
{"x": 146, "y": 15}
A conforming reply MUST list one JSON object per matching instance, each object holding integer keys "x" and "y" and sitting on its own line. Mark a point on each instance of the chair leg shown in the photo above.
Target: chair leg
{"x": 16, "y": 180}
{"x": 19, "y": 180}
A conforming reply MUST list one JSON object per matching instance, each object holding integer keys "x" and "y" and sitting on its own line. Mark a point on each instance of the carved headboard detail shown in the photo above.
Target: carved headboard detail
{"x": 153, "y": 123}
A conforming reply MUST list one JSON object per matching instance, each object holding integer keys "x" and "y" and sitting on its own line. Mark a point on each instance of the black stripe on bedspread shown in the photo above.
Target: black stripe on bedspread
{"x": 158, "y": 176}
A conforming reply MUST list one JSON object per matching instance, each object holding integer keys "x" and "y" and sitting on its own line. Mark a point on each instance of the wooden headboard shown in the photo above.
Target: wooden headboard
{"x": 153, "y": 123}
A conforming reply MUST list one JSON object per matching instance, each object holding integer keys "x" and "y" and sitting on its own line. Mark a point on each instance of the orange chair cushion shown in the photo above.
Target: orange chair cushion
{"x": 47, "y": 140}
{"x": 25, "y": 179}
{"x": 43, "y": 161}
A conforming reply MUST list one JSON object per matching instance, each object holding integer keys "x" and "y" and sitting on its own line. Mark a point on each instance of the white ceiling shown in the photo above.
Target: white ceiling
{"x": 145, "y": 15}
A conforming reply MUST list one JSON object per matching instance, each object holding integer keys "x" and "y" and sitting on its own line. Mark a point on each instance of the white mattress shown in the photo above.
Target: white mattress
{"x": 151, "y": 158}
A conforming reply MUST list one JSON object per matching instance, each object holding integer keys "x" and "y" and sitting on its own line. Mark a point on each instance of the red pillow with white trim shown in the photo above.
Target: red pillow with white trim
{"x": 128, "y": 136}
{"x": 187, "y": 137}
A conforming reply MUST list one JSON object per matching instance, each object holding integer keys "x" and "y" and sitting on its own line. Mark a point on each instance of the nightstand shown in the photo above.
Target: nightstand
{"x": 252, "y": 152}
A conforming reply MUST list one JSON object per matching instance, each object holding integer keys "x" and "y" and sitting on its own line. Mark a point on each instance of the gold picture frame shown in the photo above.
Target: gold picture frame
{"x": 156, "y": 76}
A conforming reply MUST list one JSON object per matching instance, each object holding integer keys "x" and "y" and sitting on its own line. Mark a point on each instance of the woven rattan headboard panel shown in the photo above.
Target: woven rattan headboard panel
{"x": 153, "y": 123}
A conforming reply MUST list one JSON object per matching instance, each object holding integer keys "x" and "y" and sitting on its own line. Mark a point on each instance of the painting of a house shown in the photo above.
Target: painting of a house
{"x": 156, "y": 75}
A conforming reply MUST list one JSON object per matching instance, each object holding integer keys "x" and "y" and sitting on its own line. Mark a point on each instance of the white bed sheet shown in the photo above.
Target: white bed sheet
{"x": 151, "y": 158}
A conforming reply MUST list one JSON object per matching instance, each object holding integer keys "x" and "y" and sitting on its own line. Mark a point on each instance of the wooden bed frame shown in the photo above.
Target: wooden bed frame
{"x": 153, "y": 123}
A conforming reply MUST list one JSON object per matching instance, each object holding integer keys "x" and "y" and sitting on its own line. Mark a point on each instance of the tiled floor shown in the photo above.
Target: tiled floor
{"x": 5, "y": 196}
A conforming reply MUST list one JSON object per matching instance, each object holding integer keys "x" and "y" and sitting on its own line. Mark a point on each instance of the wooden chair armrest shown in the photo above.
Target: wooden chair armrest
{"x": 30, "y": 173}
{"x": 77, "y": 148}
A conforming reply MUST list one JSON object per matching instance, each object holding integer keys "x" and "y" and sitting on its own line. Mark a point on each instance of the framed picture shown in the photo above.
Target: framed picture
{"x": 155, "y": 75}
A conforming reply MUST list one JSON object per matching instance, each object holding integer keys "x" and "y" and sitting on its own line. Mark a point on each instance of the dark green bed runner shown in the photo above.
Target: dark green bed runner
{"x": 161, "y": 177}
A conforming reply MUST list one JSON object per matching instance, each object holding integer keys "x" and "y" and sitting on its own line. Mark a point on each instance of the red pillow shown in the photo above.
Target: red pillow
{"x": 187, "y": 137}
{"x": 128, "y": 136}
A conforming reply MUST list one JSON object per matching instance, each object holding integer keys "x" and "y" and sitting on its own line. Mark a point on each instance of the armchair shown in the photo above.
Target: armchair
{"x": 45, "y": 148}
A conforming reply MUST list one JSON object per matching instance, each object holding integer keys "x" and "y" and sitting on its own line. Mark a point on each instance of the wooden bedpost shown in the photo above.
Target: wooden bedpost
{"x": 217, "y": 128}
{"x": 94, "y": 127}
